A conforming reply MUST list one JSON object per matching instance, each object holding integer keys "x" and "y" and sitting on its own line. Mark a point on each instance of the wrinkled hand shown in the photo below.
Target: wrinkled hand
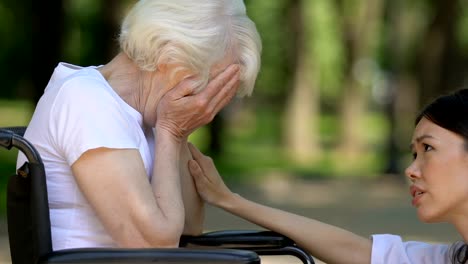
{"x": 180, "y": 111}
{"x": 209, "y": 183}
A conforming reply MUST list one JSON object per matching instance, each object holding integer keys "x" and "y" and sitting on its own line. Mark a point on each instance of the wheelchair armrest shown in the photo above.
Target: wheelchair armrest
{"x": 173, "y": 256}
{"x": 237, "y": 238}
{"x": 262, "y": 242}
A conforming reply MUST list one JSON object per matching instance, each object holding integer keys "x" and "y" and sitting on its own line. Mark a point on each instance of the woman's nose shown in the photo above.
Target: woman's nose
{"x": 412, "y": 171}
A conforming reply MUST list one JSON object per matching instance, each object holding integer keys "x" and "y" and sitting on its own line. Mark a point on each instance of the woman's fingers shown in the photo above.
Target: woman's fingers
{"x": 209, "y": 183}
{"x": 225, "y": 96}
{"x": 180, "y": 111}
{"x": 194, "y": 165}
{"x": 196, "y": 154}
{"x": 220, "y": 81}
{"x": 195, "y": 170}
{"x": 203, "y": 184}
{"x": 206, "y": 163}
{"x": 184, "y": 88}
{"x": 219, "y": 92}
{"x": 225, "y": 93}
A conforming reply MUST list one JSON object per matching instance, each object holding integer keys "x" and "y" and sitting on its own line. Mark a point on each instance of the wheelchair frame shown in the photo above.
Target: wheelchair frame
{"x": 30, "y": 237}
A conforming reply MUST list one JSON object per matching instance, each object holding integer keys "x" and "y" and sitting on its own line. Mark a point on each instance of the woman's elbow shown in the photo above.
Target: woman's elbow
{"x": 163, "y": 235}
{"x": 149, "y": 231}
{"x": 165, "y": 239}
{"x": 162, "y": 243}
{"x": 148, "y": 237}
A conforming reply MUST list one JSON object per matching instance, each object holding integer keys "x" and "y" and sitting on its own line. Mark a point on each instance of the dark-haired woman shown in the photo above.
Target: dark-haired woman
{"x": 439, "y": 187}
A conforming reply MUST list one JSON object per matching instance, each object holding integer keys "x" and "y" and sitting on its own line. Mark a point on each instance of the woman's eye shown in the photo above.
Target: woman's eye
{"x": 414, "y": 155}
{"x": 427, "y": 147}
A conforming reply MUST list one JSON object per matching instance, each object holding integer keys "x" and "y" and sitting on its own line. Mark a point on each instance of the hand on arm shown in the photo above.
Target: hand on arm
{"x": 326, "y": 242}
{"x": 180, "y": 112}
{"x": 193, "y": 204}
{"x": 208, "y": 182}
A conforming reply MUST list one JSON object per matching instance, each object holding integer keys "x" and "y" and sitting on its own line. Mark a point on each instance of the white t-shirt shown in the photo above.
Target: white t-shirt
{"x": 79, "y": 111}
{"x": 390, "y": 249}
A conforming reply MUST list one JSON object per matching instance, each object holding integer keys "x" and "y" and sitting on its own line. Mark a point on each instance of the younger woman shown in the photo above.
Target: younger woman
{"x": 439, "y": 187}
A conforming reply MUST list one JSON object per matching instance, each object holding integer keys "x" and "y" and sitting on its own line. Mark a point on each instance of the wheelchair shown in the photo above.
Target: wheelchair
{"x": 30, "y": 235}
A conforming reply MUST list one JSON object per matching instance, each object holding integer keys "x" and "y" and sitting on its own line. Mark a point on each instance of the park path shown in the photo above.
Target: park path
{"x": 365, "y": 207}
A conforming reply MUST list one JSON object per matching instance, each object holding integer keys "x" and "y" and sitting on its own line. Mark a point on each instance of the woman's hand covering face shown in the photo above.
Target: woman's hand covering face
{"x": 180, "y": 111}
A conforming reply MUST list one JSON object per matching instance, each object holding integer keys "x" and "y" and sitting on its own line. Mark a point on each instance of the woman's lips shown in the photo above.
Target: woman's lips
{"x": 416, "y": 193}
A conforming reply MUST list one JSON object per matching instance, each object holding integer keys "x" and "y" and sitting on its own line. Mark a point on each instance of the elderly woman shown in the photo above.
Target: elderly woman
{"x": 113, "y": 138}
{"x": 439, "y": 191}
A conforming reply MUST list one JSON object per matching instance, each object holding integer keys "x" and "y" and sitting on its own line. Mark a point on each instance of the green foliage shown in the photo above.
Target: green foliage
{"x": 324, "y": 38}
{"x": 253, "y": 149}
{"x": 462, "y": 28}
{"x": 81, "y": 20}
{"x": 7, "y": 168}
{"x": 273, "y": 22}
{"x": 12, "y": 113}
{"x": 402, "y": 33}
{"x": 15, "y": 47}
{"x": 15, "y": 112}
{"x": 6, "y": 19}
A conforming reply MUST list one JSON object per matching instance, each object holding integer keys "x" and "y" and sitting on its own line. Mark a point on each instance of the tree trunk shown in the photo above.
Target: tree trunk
{"x": 437, "y": 60}
{"x": 301, "y": 116}
{"x": 402, "y": 91}
{"x": 302, "y": 107}
{"x": 359, "y": 31}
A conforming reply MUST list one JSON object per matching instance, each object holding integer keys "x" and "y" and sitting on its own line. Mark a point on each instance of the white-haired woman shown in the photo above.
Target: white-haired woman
{"x": 113, "y": 138}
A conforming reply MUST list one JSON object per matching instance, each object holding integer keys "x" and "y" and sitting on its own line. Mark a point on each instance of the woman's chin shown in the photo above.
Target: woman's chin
{"x": 427, "y": 217}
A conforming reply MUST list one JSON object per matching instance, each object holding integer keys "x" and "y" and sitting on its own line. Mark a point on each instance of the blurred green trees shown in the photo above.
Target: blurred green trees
{"x": 340, "y": 83}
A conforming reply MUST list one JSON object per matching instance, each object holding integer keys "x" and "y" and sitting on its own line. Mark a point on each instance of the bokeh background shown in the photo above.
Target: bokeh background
{"x": 340, "y": 84}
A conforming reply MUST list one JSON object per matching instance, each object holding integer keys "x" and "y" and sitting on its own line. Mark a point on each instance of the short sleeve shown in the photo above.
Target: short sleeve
{"x": 86, "y": 115}
{"x": 388, "y": 249}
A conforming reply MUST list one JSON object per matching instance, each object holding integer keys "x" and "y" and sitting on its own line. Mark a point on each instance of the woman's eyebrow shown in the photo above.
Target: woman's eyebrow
{"x": 419, "y": 139}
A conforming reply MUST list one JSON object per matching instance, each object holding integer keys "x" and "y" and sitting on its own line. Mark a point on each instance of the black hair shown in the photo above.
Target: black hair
{"x": 450, "y": 112}
{"x": 459, "y": 253}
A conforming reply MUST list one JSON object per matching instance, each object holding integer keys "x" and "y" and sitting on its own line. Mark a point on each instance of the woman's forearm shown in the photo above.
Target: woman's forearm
{"x": 166, "y": 182}
{"x": 193, "y": 204}
{"x": 326, "y": 242}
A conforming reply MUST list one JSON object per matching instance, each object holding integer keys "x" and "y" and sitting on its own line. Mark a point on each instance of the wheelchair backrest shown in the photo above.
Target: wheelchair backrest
{"x": 27, "y": 203}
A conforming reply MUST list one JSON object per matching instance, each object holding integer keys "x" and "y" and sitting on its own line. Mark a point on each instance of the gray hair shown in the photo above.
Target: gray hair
{"x": 193, "y": 34}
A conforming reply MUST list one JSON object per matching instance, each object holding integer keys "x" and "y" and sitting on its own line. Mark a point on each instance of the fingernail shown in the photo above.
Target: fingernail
{"x": 235, "y": 68}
